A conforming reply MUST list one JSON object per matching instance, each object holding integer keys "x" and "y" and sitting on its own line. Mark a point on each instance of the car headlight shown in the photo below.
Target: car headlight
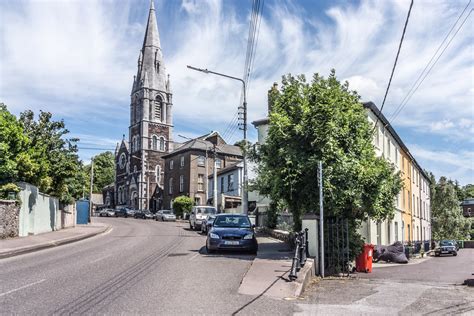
{"x": 249, "y": 236}
{"x": 214, "y": 236}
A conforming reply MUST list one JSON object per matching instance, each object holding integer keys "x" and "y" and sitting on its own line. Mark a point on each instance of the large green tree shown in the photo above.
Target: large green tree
{"x": 324, "y": 121}
{"x": 38, "y": 152}
{"x": 104, "y": 171}
{"x": 446, "y": 214}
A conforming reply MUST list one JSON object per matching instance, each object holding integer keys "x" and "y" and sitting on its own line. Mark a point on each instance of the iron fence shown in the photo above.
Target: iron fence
{"x": 336, "y": 246}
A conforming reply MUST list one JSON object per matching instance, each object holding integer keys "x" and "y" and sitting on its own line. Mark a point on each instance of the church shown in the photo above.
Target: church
{"x": 140, "y": 160}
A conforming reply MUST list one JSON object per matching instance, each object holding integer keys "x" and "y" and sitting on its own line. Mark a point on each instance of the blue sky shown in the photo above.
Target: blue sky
{"x": 77, "y": 59}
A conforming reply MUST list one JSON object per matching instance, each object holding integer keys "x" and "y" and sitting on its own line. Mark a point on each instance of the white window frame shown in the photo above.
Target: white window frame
{"x": 200, "y": 182}
{"x": 201, "y": 160}
{"x": 171, "y": 164}
{"x": 170, "y": 186}
{"x": 181, "y": 159}
{"x": 181, "y": 183}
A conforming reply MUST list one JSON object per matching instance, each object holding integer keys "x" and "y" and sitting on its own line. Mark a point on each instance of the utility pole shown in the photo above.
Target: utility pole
{"x": 215, "y": 177}
{"x": 90, "y": 191}
{"x": 321, "y": 216}
{"x": 244, "y": 127}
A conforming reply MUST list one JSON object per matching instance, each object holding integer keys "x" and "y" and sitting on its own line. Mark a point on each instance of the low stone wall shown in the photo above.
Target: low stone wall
{"x": 9, "y": 219}
{"x": 287, "y": 237}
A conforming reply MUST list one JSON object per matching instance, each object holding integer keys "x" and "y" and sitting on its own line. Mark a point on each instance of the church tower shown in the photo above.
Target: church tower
{"x": 151, "y": 121}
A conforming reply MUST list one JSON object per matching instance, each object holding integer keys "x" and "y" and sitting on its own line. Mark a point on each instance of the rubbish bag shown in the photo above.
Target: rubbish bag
{"x": 393, "y": 253}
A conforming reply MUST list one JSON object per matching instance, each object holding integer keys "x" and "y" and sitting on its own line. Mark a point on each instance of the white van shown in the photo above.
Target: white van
{"x": 198, "y": 214}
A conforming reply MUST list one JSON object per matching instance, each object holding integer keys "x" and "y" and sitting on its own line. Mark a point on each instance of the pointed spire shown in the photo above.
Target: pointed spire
{"x": 150, "y": 61}
{"x": 152, "y": 36}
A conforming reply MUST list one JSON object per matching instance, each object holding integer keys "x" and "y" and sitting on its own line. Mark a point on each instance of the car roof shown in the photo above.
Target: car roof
{"x": 231, "y": 214}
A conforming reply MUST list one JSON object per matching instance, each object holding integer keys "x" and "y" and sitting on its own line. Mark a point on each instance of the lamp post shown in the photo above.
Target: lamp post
{"x": 244, "y": 187}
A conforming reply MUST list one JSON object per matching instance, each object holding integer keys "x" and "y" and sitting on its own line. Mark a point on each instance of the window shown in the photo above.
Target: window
{"x": 162, "y": 144}
{"x": 200, "y": 182}
{"x": 222, "y": 185}
{"x": 396, "y": 231}
{"x": 388, "y": 148}
{"x": 409, "y": 233}
{"x": 396, "y": 157}
{"x": 158, "y": 174}
{"x": 377, "y": 138}
{"x": 170, "y": 189}
{"x": 155, "y": 142}
{"x": 218, "y": 163}
{"x": 171, "y": 164}
{"x": 201, "y": 160}
{"x": 413, "y": 200}
{"x": 158, "y": 108}
{"x": 181, "y": 183}
{"x": 418, "y": 206}
{"x": 403, "y": 198}
{"x": 182, "y": 161}
{"x": 230, "y": 182}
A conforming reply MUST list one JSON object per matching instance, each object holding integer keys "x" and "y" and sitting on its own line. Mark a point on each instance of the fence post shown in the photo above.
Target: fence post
{"x": 294, "y": 264}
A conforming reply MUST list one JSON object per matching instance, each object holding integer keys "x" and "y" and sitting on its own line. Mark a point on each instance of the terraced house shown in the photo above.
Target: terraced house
{"x": 411, "y": 222}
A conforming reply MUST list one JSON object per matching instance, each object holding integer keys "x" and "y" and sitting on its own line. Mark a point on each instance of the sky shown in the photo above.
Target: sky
{"x": 77, "y": 59}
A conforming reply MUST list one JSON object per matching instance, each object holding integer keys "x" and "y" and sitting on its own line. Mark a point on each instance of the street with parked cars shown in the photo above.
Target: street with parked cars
{"x": 165, "y": 215}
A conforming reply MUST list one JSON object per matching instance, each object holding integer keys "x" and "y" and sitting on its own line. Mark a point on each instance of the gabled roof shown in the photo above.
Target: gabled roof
{"x": 231, "y": 167}
{"x": 201, "y": 143}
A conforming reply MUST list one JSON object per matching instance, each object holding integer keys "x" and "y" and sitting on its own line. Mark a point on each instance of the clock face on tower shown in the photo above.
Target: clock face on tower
{"x": 122, "y": 161}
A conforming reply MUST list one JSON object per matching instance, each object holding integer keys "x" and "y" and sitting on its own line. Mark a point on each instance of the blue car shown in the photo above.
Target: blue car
{"x": 232, "y": 232}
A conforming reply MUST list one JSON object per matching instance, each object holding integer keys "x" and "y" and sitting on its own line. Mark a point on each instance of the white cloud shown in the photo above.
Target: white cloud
{"x": 77, "y": 59}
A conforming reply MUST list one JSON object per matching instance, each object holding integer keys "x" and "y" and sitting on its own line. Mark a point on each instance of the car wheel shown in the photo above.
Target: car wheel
{"x": 209, "y": 250}
{"x": 455, "y": 254}
{"x": 437, "y": 254}
{"x": 190, "y": 226}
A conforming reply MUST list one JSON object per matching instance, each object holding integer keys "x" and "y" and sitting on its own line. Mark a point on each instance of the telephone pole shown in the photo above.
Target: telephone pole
{"x": 90, "y": 191}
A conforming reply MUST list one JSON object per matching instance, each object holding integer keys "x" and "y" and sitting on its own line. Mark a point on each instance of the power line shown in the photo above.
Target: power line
{"x": 417, "y": 84}
{"x": 394, "y": 66}
{"x": 95, "y": 148}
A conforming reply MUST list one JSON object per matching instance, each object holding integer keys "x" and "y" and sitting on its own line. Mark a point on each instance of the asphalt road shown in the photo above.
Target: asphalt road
{"x": 139, "y": 267}
{"x": 432, "y": 287}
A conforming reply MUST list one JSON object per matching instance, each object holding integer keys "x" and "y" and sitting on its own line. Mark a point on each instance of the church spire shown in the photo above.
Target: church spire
{"x": 151, "y": 58}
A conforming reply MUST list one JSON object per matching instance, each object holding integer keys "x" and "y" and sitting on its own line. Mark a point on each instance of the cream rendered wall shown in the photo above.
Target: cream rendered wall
{"x": 389, "y": 230}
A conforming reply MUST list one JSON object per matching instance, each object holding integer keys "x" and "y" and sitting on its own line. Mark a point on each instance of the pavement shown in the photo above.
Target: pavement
{"x": 268, "y": 274}
{"x": 427, "y": 286}
{"x": 21, "y": 245}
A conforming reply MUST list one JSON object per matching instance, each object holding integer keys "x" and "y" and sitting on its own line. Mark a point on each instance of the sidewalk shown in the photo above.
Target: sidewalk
{"x": 21, "y": 245}
{"x": 268, "y": 274}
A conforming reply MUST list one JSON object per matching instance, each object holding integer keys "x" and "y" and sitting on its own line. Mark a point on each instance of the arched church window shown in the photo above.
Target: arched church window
{"x": 155, "y": 142}
{"x": 158, "y": 174}
{"x": 158, "y": 108}
{"x": 162, "y": 144}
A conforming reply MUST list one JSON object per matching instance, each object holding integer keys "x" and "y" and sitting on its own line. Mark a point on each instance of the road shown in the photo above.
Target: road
{"x": 139, "y": 267}
{"x": 432, "y": 287}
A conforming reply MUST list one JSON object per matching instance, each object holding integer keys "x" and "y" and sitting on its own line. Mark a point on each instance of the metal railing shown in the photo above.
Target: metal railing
{"x": 301, "y": 253}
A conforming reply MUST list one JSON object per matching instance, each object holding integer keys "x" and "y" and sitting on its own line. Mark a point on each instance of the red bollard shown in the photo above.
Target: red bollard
{"x": 364, "y": 260}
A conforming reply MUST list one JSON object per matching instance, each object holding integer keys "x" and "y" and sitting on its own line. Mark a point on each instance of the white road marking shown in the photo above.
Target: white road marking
{"x": 97, "y": 260}
{"x": 20, "y": 288}
{"x": 192, "y": 258}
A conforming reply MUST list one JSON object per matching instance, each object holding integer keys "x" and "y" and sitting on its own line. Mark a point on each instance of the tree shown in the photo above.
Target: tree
{"x": 16, "y": 162}
{"x": 104, "y": 171}
{"x": 182, "y": 204}
{"x": 324, "y": 121}
{"x": 447, "y": 219}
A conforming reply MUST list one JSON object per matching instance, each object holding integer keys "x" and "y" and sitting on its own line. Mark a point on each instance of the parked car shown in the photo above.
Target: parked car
{"x": 446, "y": 247}
{"x": 124, "y": 212}
{"x": 198, "y": 213}
{"x": 165, "y": 215}
{"x": 106, "y": 212}
{"x": 232, "y": 232}
{"x": 145, "y": 214}
{"x": 207, "y": 223}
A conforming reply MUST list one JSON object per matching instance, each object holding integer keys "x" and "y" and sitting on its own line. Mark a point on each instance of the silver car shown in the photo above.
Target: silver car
{"x": 165, "y": 215}
{"x": 198, "y": 214}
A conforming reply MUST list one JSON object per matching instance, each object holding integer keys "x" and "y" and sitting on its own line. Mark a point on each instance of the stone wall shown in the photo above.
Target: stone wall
{"x": 9, "y": 218}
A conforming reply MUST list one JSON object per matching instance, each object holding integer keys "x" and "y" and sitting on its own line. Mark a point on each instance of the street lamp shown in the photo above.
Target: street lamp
{"x": 244, "y": 187}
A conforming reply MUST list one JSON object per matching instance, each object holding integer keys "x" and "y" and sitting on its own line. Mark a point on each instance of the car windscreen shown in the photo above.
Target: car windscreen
{"x": 446, "y": 243}
{"x": 206, "y": 210}
{"x": 167, "y": 212}
{"x": 232, "y": 221}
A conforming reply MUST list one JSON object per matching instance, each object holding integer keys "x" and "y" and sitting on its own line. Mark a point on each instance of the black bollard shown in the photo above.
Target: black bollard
{"x": 294, "y": 269}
